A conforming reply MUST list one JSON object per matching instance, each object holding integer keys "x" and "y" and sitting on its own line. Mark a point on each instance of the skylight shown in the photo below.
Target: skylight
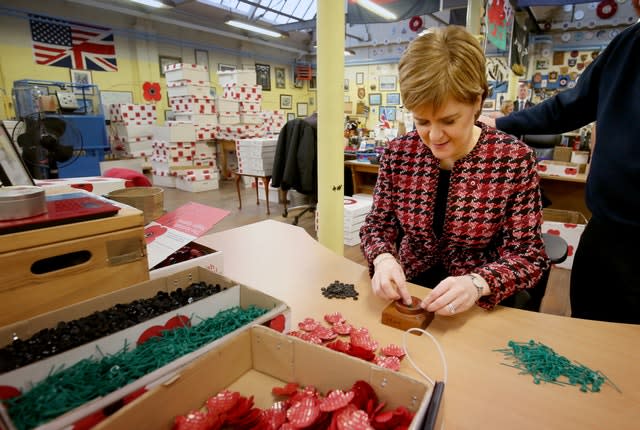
{"x": 274, "y": 12}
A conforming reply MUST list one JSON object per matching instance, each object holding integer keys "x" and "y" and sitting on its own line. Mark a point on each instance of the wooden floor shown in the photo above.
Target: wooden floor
{"x": 556, "y": 300}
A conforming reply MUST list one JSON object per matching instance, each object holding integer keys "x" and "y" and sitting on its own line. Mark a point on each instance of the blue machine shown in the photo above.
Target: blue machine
{"x": 86, "y": 127}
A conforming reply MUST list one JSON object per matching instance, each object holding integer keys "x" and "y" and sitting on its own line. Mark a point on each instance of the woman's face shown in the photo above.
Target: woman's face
{"x": 449, "y": 132}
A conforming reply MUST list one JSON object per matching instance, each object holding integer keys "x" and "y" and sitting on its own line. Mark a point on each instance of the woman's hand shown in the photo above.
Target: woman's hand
{"x": 453, "y": 295}
{"x": 388, "y": 280}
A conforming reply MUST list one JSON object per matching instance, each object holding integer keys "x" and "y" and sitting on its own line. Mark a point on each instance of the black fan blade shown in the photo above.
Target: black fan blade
{"x": 49, "y": 142}
{"x": 26, "y": 140}
{"x": 55, "y": 126}
{"x": 63, "y": 153}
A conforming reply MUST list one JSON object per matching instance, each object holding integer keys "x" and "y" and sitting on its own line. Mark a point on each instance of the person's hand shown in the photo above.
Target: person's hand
{"x": 388, "y": 280}
{"x": 453, "y": 295}
{"x": 491, "y": 122}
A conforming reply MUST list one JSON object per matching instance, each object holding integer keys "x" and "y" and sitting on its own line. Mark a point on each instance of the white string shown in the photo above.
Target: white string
{"x": 415, "y": 366}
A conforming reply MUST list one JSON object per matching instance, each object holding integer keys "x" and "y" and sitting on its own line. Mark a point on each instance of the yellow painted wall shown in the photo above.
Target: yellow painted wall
{"x": 137, "y": 60}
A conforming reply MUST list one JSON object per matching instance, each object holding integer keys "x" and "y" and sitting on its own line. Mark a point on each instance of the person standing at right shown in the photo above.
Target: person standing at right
{"x": 605, "y": 278}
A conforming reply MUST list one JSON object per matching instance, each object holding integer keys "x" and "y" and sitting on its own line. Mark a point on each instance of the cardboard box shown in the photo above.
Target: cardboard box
{"x": 252, "y": 363}
{"x": 50, "y": 268}
{"x": 187, "y": 89}
{"x": 560, "y": 168}
{"x": 234, "y": 295}
{"x": 98, "y": 185}
{"x": 212, "y": 260}
{"x": 189, "y": 184}
{"x": 562, "y": 153}
{"x": 569, "y": 225}
{"x": 240, "y": 77}
{"x": 188, "y": 72}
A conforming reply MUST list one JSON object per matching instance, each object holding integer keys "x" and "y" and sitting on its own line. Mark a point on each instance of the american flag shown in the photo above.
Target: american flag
{"x": 72, "y": 45}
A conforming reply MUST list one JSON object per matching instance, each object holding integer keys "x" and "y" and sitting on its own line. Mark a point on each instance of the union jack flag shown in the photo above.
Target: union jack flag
{"x": 72, "y": 44}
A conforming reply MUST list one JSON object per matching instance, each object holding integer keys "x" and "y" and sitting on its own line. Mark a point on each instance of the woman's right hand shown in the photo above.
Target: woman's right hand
{"x": 388, "y": 280}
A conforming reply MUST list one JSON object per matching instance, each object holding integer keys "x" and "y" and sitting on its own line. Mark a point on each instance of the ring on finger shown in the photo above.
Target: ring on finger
{"x": 451, "y": 308}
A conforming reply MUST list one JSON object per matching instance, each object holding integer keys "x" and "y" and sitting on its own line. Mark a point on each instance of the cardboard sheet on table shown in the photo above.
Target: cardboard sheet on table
{"x": 175, "y": 229}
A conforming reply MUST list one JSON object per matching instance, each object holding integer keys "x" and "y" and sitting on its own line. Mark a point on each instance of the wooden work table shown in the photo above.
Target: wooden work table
{"x": 480, "y": 392}
{"x": 363, "y": 176}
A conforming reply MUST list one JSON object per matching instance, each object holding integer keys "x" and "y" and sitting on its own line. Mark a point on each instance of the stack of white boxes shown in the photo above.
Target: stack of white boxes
{"x": 255, "y": 157}
{"x": 131, "y": 131}
{"x": 240, "y": 107}
{"x": 273, "y": 121}
{"x": 185, "y": 159}
{"x": 356, "y": 209}
{"x": 174, "y": 148}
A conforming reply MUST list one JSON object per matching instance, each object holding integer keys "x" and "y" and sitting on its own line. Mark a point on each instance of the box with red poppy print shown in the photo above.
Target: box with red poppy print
{"x": 569, "y": 225}
{"x": 250, "y": 107}
{"x": 177, "y": 324}
{"x": 559, "y": 168}
{"x": 243, "y": 93}
{"x": 193, "y": 105}
{"x": 186, "y": 72}
{"x": 188, "y": 89}
{"x": 129, "y": 130}
{"x": 132, "y": 112}
{"x": 267, "y": 366}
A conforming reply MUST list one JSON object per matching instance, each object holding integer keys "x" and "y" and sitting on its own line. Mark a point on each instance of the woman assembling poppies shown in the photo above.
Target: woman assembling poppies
{"x": 457, "y": 205}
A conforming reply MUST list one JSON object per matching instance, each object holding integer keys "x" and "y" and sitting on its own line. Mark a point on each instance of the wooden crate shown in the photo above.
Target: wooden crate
{"x": 49, "y": 268}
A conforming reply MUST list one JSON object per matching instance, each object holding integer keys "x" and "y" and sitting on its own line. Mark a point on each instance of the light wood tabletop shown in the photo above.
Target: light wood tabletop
{"x": 480, "y": 392}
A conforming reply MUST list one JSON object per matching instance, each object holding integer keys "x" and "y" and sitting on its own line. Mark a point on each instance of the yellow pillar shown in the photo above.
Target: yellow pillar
{"x": 331, "y": 33}
{"x": 474, "y": 9}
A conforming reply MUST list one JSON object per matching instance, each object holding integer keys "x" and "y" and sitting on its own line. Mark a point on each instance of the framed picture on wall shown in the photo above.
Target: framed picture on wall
{"x": 302, "y": 109}
{"x": 202, "y": 57}
{"x": 165, "y": 61}
{"x": 393, "y": 98}
{"x": 375, "y": 99}
{"x": 81, "y": 77}
{"x": 388, "y": 83}
{"x": 359, "y": 78}
{"x": 280, "y": 77}
{"x": 263, "y": 76}
{"x": 489, "y": 104}
{"x": 226, "y": 67}
{"x": 291, "y": 116}
{"x": 388, "y": 113}
{"x": 286, "y": 101}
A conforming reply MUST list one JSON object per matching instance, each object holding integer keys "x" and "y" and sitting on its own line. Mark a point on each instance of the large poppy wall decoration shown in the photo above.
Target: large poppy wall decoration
{"x": 151, "y": 91}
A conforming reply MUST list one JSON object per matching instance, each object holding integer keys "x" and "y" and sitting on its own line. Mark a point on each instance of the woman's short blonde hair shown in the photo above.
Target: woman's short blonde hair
{"x": 442, "y": 63}
{"x": 506, "y": 105}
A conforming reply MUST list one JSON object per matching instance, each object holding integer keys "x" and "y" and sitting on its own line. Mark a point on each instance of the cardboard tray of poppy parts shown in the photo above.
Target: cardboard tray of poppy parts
{"x": 255, "y": 361}
{"x": 192, "y": 254}
{"x": 233, "y": 294}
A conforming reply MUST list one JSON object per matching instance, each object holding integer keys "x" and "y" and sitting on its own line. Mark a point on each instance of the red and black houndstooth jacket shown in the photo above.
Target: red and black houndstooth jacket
{"x": 492, "y": 221}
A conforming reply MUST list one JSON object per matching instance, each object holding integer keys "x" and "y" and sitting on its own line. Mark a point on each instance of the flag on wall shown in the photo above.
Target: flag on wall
{"x": 73, "y": 45}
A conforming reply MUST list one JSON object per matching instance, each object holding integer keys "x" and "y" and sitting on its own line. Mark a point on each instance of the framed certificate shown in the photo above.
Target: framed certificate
{"x": 13, "y": 171}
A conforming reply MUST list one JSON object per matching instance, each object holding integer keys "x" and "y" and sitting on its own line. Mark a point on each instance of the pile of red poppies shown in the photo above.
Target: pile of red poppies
{"x": 360, "y": 343}
{"x": 355, "y": 409}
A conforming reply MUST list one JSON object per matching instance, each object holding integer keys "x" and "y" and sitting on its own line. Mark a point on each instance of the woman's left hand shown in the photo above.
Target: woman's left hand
{"x": 453, "y": 295}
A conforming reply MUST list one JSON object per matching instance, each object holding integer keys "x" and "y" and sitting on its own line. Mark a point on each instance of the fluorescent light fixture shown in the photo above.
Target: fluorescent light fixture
{"x": 152, "y": 3}
{"x": 255, "y": 29}
{"x": 377, "y": 9}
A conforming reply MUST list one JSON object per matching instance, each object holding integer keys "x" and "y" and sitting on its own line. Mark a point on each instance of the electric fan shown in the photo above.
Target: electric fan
{"x": 46, "y": 141}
